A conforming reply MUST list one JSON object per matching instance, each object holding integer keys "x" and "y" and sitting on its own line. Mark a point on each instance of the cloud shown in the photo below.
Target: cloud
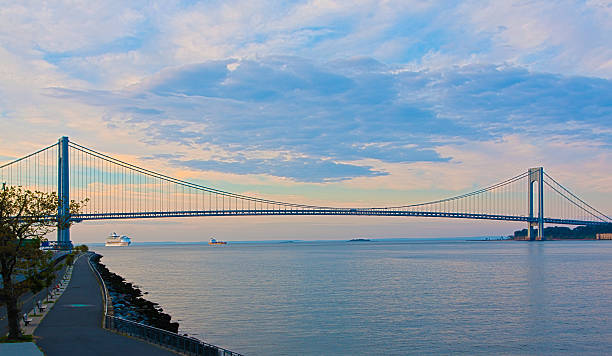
{"x": 535, "y": 34}
{"x": 369, "y": 94}
{"x": 512, "y": 99}
{"x": 66, "y": 26}
{"x": 302, "y": 169}
{"x": 244, "y": 80}
{"x": 318, "y": 121}
{"x": 115, "y": 44}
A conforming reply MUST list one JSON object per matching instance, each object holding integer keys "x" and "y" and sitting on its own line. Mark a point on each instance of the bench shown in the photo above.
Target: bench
{"x": 26, "y": 321}
{"x": 40, "y": 306}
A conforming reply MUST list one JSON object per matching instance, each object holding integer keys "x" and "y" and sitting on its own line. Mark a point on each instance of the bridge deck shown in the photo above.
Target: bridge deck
{"x": 306, "y": 212}
{"x": 115, "y": 189}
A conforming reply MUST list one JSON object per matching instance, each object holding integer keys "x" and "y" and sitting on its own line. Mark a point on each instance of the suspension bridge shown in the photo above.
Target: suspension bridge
{"x": 119, "y": 190}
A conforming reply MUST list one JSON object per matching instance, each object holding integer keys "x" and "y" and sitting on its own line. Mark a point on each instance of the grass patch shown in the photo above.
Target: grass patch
{"x": 22, "y": 338}
{"x": 35, "y": 315}
{"x": 48, "y": 301}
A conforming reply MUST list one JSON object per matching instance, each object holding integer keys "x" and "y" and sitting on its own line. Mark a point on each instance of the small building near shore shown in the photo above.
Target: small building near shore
{"x": 604, "y": 236}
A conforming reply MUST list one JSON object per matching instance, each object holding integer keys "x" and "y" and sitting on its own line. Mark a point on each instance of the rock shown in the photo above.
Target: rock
{"x": 128, "y": 301}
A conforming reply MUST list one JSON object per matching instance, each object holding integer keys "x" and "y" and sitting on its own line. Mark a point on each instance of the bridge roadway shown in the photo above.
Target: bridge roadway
{"x": 74, "y": 325}
{"x": 323, "y": 211}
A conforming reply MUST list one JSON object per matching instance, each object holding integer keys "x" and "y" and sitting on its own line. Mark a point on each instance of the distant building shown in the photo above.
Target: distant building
{"x": 606, "y": 236}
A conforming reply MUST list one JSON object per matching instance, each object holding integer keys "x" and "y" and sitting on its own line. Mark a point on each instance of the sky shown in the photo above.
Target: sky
{"x": 353, "y": 103}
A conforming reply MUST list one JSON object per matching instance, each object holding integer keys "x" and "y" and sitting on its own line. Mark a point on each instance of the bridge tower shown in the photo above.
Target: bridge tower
{"x": 63, "y": 192}
{"x": 536, "y": 175}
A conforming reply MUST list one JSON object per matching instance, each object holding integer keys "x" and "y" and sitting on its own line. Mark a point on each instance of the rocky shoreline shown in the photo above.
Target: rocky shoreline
{"x": 128, "y": 302}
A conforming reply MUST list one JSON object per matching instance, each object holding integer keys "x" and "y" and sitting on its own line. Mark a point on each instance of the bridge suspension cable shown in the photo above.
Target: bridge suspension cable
{"x": 118, "y": 187}
{"x": 120, "y": 190}
{"x": 562, "y": 203}
{"x": 36, "y": 171}
{"x": 506, "y": 198}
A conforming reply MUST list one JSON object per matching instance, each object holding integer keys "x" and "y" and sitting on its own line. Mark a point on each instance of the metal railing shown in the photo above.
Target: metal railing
{"x": 168, "y": 339}
{"x": 107, "y": 299}
{"x": 183, "y": 344}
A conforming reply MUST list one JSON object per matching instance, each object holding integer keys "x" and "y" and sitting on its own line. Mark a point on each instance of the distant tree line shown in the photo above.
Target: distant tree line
{"x": 562, "y": 232}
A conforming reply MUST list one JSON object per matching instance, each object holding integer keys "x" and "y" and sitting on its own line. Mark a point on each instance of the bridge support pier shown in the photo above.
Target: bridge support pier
{"x": 63, "y": 192}
{"x": 536, "y": 175}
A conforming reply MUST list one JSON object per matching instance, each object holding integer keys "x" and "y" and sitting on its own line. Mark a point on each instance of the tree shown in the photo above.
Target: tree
{"x": 81, "y": 248}
{"x": 69, "y": 260}
{"x": 25, "y": 218}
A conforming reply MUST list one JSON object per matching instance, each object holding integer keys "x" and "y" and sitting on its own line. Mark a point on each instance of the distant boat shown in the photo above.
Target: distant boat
{"x": 358, "y": 240}
{"x": 215, "y": 242}
{"x": 116, "y": 240}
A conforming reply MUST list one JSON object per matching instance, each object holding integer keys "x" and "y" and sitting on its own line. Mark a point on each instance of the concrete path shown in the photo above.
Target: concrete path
{"x": 20, "y": 349}
{"x": 36, "y": 315}
{"x": 73, "y": 325}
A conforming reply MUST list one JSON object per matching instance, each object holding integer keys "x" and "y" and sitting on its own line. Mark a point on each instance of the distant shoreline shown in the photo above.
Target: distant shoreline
{"x": 563, "y": 239}
{"x": 239, "y": 242}
{"x": 298, "y": 242}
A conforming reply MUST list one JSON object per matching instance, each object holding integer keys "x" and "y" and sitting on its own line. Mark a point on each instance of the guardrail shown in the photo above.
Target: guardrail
{"x": 183, "y": 344}
{"x": 106, "y": 296}
{"x": 176, "y": 342}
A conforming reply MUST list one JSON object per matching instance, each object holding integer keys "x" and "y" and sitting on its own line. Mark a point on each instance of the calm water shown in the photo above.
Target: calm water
{"x": 382, "y": 298}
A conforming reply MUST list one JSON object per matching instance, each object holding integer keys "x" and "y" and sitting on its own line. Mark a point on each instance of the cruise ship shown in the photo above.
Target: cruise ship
{"x": 215, "y": 242}
{"x": 116, "y": 240}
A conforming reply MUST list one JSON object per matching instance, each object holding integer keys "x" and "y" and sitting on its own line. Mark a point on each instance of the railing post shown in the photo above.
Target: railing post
{"x": 63, "y": 192}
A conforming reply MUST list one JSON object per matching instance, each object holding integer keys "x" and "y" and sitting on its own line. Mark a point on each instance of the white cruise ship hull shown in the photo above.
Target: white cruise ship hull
{"x": 116, "y": 240}
{"x": 121, "y": 243}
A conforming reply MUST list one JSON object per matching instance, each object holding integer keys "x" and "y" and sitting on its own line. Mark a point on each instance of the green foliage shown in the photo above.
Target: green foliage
{"x": 43, "y": 273}
{"x": 81, "y": 248}
{"x": 69, "y": 260}
{"x": 562, "y": 232}
{"x": 22, "y": 338}
{"x": 25, "y": 218}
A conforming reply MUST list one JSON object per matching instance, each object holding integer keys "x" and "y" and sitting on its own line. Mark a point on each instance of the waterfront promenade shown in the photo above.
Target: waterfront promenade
{"x": 73, "y": 325}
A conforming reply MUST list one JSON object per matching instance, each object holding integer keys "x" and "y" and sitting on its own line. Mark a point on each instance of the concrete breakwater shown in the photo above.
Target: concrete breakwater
{"x": 128, "y": 302}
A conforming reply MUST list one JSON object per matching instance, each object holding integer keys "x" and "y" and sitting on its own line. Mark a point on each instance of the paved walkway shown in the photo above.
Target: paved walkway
{"x": 20, "y": 349}
{"x": 73, "y": 325}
